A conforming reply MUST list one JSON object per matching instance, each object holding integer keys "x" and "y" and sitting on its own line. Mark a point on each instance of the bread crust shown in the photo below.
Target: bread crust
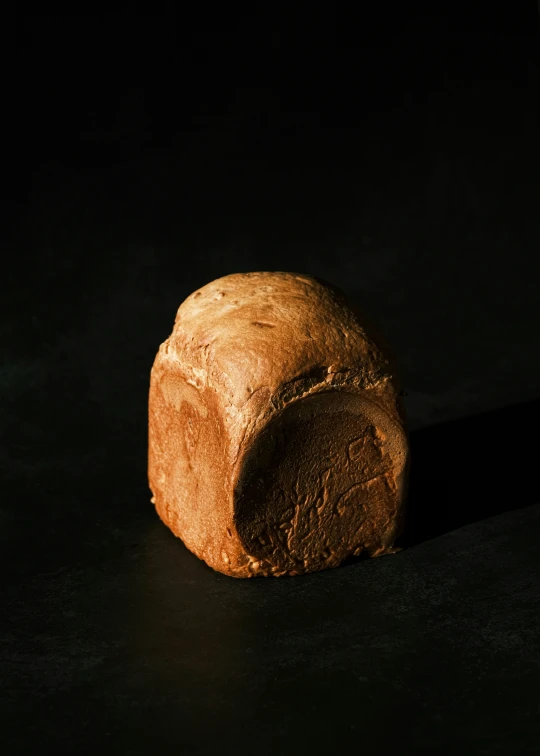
{"x": 277, "y": 441}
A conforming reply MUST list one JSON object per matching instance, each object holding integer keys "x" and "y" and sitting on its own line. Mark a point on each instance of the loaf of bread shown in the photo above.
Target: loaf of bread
{"x": 277, "y": 441}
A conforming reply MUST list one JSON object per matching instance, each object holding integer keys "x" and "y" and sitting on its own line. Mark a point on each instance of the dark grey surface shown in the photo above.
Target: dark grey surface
{"x": 435, "y": 649}
{"x": 115, "y": 636}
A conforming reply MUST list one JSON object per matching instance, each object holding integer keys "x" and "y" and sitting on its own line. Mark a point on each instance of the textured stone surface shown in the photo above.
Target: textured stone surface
{"x": 276, "y": 432}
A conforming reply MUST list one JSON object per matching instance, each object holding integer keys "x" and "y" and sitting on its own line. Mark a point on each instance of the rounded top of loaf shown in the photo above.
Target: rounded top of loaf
{"x": 270, "y": 332}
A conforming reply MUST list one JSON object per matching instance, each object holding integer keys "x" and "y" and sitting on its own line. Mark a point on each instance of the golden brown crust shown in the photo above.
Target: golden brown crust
{"x": 250, "y": 354}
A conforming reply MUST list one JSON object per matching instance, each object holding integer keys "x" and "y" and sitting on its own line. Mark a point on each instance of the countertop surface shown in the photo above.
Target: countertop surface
{"x": 114, "y": 635}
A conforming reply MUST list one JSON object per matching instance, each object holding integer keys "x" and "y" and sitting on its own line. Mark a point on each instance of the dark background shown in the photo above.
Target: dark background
{"x": 393, "y": 152}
